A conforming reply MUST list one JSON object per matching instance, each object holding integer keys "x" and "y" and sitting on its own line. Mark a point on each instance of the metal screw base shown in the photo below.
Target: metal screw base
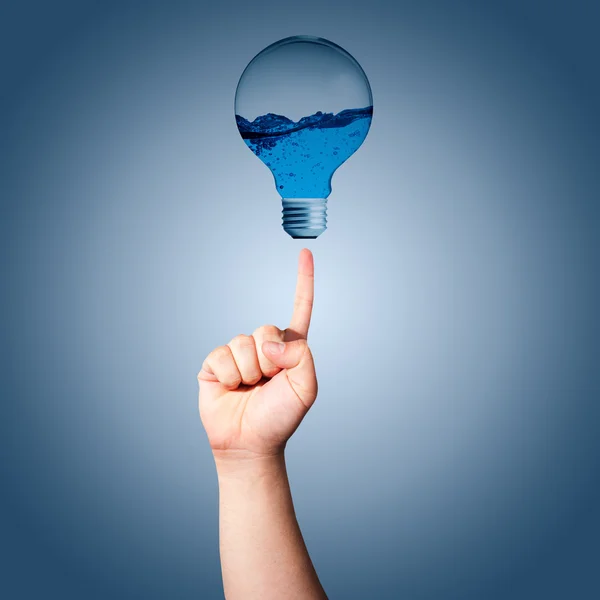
{"x": 305, "y": 218}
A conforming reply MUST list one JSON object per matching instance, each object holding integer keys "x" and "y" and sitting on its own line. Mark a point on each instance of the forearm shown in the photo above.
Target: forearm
{"x": 263, "y": 554}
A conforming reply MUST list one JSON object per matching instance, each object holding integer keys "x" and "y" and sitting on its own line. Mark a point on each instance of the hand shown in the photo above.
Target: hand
{"x": 255, "y": 391}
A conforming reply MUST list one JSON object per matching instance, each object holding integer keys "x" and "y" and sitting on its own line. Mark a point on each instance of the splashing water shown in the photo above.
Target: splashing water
{"x": 303, "y": 155}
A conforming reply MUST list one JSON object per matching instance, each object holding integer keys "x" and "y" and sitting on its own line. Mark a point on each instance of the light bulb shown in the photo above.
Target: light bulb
{"x": 303, "y": 105}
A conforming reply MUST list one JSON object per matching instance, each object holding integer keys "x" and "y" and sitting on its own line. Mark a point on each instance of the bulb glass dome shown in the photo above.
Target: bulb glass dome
{"x": 303, "y": 106}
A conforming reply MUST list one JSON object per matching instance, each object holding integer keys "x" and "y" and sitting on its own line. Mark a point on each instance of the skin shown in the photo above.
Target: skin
{"x": 254, "y": 392}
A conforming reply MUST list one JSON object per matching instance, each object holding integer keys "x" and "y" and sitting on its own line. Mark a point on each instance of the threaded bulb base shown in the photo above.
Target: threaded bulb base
{"x": 304, "y": 218}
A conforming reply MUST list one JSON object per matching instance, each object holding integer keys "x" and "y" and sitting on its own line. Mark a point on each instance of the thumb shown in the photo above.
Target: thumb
{"x": 285, "y": 355}
{"x": 297, "y": 358}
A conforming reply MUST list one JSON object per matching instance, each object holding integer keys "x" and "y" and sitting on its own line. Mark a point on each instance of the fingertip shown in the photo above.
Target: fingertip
{"x": 230, "y": 383}
{"x": 270, "y": 372}
{"x": 255, "y": 379}
{"x": 232, "y": 386}
{"x": 306, "y": 261}
{"x": 206, "y": 375}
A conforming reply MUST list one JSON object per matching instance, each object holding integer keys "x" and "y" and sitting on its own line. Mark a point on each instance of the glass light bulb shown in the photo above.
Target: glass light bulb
{"x": 303, "y": 105}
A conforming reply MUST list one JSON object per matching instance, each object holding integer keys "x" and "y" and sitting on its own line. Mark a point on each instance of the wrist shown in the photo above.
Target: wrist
{"x": 243, "y": 464}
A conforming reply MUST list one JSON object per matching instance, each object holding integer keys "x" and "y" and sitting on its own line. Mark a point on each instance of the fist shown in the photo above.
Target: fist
{"x": 255, "y": 391}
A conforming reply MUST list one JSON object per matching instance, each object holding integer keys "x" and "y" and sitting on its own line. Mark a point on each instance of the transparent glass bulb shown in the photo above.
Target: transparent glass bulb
{"x": 303, "y": 105}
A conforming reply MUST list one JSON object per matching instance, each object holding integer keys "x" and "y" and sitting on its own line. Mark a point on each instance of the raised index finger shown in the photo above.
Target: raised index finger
{"x": 305, "y": 291}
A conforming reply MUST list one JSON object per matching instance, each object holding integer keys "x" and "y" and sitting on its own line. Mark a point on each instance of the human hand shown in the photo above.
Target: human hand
{"x": 255, "y": 391}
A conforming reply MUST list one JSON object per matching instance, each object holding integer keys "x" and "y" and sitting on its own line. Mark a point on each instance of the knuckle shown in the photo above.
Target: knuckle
{"x": 306, "y": 300}
{"x": 303, "y": 345}
{"x": 306, "y": 355}
{"x": 242, "y": 341}
{"x": 268, "y": 331}
{"x": 220, "y": 353}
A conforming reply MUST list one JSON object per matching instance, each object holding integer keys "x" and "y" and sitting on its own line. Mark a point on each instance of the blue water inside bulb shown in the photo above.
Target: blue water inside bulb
{"x": 304, "y": 155}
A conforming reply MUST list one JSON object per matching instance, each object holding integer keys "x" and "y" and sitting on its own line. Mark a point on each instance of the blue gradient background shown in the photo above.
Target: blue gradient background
{"x": 454, "y": 450}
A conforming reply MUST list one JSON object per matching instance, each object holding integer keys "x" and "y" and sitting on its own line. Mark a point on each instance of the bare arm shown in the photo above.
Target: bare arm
{"x": 262, "y": 551}
{"x": 254, "y": 393}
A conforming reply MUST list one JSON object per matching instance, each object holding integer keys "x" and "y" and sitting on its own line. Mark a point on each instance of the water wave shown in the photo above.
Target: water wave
{"x": 272, "y": 125}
